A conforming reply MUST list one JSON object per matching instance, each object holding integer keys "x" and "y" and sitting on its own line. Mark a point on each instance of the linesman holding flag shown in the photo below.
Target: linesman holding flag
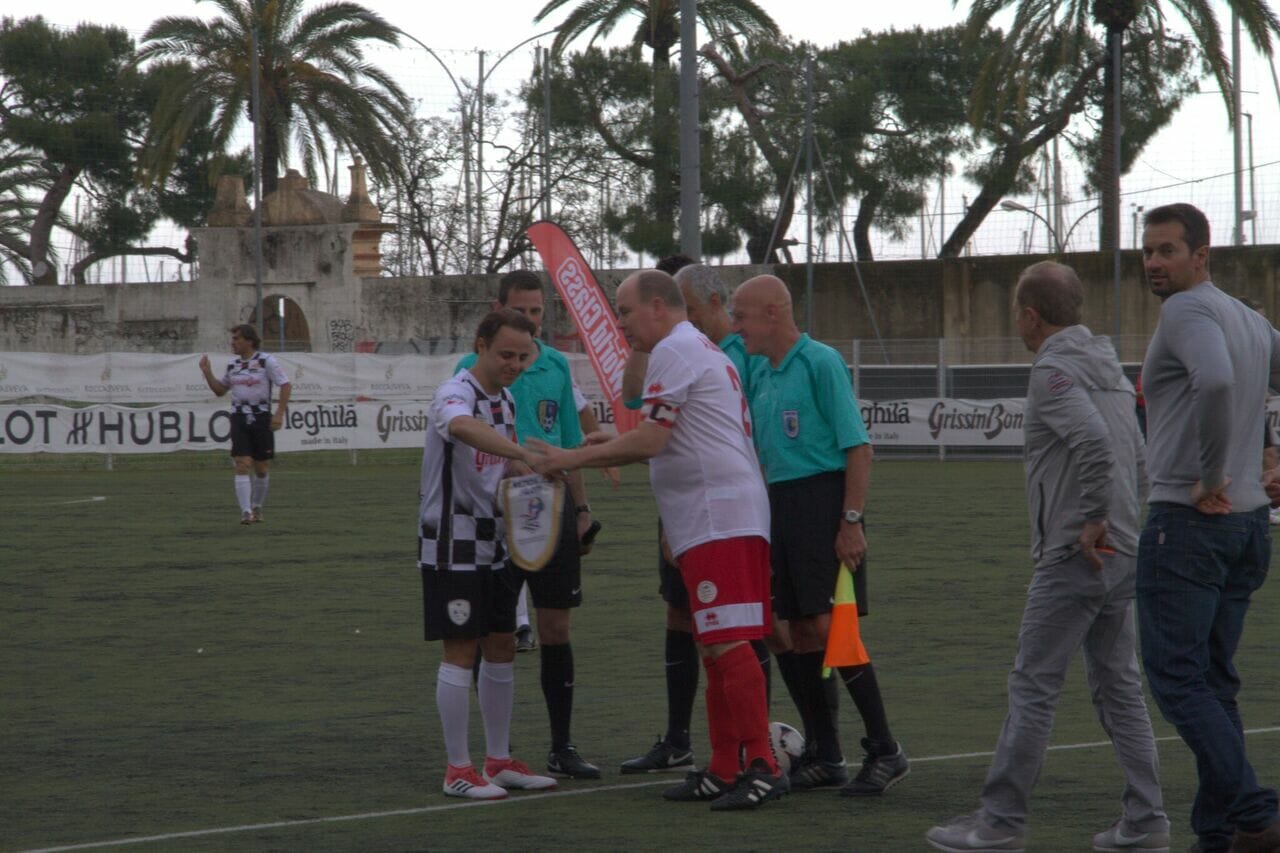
{"x": 816, "y": 456}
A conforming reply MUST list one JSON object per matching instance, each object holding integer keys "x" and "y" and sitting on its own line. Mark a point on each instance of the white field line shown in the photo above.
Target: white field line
{"x": 83, "y": 501}
{"x": 525, "y": 798}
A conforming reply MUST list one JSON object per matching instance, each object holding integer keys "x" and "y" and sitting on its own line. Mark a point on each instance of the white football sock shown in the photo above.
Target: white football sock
{"x": 453, "y": 697}
{"x": 243, "y": 488}
{"x": 522, "y": 606}
{"x": 497, "y": 691}
{"x": 260, "y": 485}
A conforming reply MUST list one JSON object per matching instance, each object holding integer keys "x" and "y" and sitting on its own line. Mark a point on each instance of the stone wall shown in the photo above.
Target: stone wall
{"x": 312, "y": 265}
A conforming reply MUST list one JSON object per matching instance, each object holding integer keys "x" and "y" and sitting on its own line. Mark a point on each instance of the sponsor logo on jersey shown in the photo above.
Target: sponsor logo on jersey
{"x": 791, "y": 423}
{"x": 547, "y": 412}
{"x": 1059, "y": 383}
{"x": 707, "y": 592}
{"x": 459, "y": 611}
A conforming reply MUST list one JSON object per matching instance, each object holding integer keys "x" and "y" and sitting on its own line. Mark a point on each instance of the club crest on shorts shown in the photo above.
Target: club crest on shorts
{"x": 547, "y": 411}
{"x": 459, "y": 611}
{"x": 533, "y": 507}
{"x": 707, "y": 592}
{"x": 791, "y": 423}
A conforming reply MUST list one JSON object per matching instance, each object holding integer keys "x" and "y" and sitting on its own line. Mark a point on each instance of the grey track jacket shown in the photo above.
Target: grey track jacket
{"x": 1083, "y": 451}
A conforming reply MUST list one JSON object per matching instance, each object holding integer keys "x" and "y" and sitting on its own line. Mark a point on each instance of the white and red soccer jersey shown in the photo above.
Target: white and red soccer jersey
{"x": 250, "y": 380}
{"x": 459, "y": 523}
{"x": 706, "y": 481}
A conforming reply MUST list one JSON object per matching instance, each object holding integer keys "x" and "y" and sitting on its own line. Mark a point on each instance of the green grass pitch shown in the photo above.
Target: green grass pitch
{"x": 166, "y": 673}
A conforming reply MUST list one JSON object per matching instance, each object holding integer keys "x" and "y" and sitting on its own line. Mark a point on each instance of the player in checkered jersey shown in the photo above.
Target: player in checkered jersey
{"x": 249, "y": 377}
{"x": 468, "y": 588}
{"x": 696, "y": 434}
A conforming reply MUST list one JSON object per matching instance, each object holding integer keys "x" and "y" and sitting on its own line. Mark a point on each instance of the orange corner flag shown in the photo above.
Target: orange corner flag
{"x": 844, "y": 643}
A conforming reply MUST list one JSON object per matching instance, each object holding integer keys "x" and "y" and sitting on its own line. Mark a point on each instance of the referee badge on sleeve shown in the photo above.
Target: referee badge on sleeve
{"x": 532, "y": 507}
{"x": 791, "y": 423}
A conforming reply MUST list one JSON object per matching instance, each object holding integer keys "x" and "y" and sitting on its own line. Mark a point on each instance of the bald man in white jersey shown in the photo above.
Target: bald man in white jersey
{"x": 696, "y": 434}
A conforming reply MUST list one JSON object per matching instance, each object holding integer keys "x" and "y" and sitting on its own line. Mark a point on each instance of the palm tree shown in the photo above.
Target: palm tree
{"x": 313, "y": 77}
{"x": 1057, "y": 33}
{"x": 659, "y": 27}
{"x": 728, "y": 21}
{"x": 20, "y": 172}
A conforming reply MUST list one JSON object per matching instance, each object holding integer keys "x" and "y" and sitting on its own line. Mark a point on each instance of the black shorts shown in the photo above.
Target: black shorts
{"x": 805, "y": 521}
{"x": 559, "y": 584}
{"x": 468, "y": 605}
{"x": 251, "y": 435}
{"x": 670, "y": 584}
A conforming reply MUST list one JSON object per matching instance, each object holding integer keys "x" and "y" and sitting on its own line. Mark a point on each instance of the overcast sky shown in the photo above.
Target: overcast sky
{"x": 1190, "y": 161}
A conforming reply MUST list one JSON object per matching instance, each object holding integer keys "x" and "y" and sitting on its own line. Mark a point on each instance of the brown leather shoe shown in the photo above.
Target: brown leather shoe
{"x": 1266, "y": 840}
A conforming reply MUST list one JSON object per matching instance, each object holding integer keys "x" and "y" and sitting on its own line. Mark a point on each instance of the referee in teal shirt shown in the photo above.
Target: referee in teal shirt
{"x": 816, "y": 457}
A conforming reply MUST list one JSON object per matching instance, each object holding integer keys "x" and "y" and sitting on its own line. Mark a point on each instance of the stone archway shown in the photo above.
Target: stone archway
{"x": 297, "y": 333}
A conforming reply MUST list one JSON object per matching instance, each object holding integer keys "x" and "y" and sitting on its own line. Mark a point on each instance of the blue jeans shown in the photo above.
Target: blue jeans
{"x": 1195, "y": 576}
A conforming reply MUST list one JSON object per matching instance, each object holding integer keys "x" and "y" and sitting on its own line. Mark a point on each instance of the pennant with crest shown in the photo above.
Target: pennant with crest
{"x": 533, "y": 508}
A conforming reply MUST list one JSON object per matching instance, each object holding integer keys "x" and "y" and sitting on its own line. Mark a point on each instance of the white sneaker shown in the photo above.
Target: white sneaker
{"x": 968, "y": 833}
{"x": 510, "y": 773}
{"x": 1119, "y": 837}
{"x": 1275, "y": 515}
{"x": 466, "y": 782}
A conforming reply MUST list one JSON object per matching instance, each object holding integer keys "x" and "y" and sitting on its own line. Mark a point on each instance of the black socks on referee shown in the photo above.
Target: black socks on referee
{"x": 557, "y": 689}
{"x": 865, "y": 690}
{"x": 802, "y": 673}
{"x": 682, "y": 685}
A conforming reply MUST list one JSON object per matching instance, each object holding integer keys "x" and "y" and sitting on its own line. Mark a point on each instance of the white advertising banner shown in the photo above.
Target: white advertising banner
{"x": 936, "y": 421}
{"x": 155, "y": 378}
{"x": 37, "y": 428}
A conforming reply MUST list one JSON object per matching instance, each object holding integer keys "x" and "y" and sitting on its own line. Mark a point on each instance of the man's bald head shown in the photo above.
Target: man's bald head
{"x": 762, "y": 316}
{"x": 765, "y": 290}
{"x": 649, "y": 307}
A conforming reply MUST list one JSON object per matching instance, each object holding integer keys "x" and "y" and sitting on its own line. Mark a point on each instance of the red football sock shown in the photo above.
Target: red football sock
{"x": 744, "y": 695}
{"x": 720, "y": 724}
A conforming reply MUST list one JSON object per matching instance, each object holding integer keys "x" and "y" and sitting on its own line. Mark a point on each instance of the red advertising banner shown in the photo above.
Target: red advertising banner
{"x": 606, "y": 347}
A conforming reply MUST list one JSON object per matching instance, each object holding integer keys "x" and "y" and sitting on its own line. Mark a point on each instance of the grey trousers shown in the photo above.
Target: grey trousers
{"x": 1070, "y": 605}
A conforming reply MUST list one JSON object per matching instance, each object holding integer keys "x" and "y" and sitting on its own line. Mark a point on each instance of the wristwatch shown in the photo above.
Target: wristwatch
{"x": 581, "y": 508}
{"x": 852, "y": 516}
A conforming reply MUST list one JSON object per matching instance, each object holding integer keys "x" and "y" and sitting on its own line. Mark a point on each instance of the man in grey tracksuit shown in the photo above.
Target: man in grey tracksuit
{"x": 1085, "y": 484}
{"x": 1206, "y": 546}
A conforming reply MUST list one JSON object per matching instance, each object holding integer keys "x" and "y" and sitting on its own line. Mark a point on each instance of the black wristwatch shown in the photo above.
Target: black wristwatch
{"x": 581, "y": 508}
{"x": 852, "y": 516}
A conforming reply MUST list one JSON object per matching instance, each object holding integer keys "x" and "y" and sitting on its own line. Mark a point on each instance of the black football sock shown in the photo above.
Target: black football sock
{"x": 809, "y": 665}
{"x": 788, "y": 668}
{"x": 557, "y": 689}
{"x": 865, "y": 690}
{"x": 831, "y": 693}
{"x": 762, "y": 655}
{"x": 682, "y": 685}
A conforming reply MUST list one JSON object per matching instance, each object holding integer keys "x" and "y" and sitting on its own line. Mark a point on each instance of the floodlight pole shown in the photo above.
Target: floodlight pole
{"x": 255, "y": 94}
{"x": 690, "y": 163}
{"x": 808, "y": 171}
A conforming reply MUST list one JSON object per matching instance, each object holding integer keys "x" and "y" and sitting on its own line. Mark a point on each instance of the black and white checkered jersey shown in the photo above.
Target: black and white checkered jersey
{"x": 459, "y": 522}
{"x": 251, "y": 379}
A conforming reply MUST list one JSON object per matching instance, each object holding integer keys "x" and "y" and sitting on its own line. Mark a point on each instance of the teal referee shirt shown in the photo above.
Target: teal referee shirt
{"x": 545, "y": 406}
{"x": 803, "y": 412}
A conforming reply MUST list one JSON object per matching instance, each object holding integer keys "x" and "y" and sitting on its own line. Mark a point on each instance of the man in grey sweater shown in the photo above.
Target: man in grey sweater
{"x": 1205, "y": 547}
{"x": 1085, "y": 485}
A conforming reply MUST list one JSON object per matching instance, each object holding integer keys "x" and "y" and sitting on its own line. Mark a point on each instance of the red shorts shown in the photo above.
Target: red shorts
{"x": 728, "y": 584}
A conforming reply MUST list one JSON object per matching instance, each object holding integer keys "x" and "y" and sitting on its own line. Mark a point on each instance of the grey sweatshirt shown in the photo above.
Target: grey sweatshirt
{"x": 1084, "y": 454}
{"x": 1205, "y": 380}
